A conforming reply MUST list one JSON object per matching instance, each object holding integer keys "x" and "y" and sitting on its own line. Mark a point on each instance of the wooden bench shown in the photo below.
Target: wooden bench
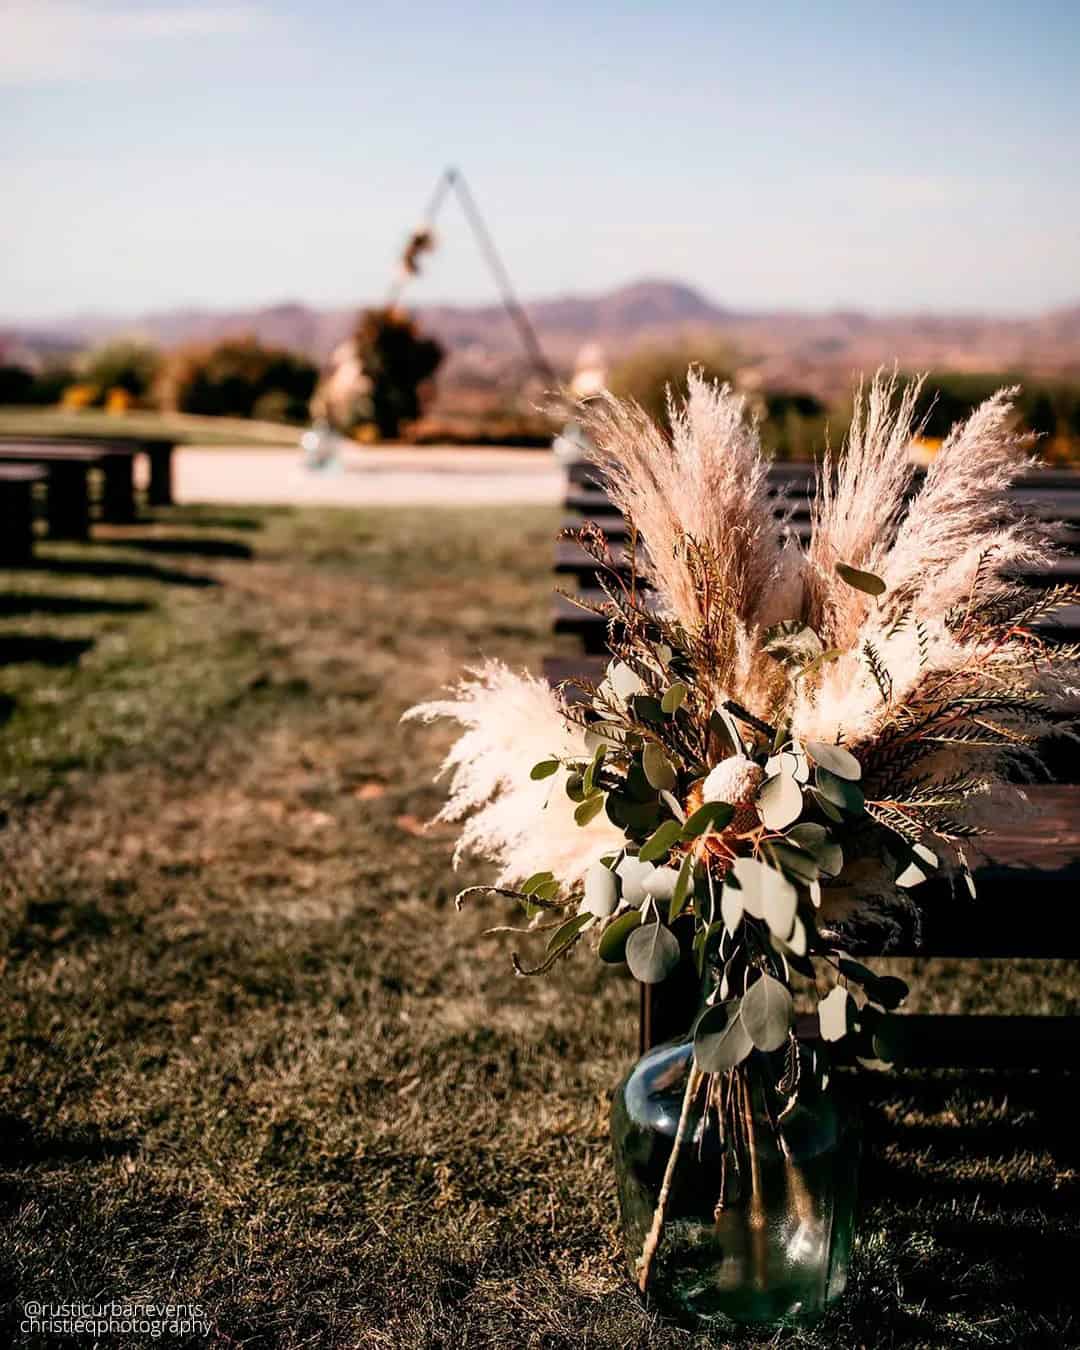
{"x": 17, "y": 511}
{"x": 1041, "y": 856}
{"x": 68, "y": 492}
{"x": 157, "y": 449}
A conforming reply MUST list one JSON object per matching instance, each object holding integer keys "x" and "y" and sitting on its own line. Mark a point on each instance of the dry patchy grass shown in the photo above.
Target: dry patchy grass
{"x": 252, "y": 1058}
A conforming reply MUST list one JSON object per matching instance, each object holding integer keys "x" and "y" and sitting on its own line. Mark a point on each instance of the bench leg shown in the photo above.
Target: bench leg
{"x": 16, "y": 524}
{"x": 118, "y": 496}
{"x": 160, "y": 488}
{"x": 67, "y": 502}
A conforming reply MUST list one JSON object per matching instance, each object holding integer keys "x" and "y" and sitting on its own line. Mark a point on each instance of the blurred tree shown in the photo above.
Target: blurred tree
{"x": 397, "y": 361}
{"x": 238, "y": 377}
{"x": 122, "y": 364}
{"x": 16, "y": 384}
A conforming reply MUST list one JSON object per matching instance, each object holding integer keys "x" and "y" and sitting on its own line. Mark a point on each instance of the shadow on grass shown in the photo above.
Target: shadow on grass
{"x": 119, "y": 567}
{"x": 974, "y": 1179}
{"x": 22, "y": 1142}
{"x": 198, "y": 548}
{"x": 13, "y": 604}
{"x": 43, "y": 650}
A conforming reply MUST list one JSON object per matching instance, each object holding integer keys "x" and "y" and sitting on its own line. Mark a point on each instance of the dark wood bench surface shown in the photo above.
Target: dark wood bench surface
{"x": 116, "y": 463}
{"x": 158, "y": 450}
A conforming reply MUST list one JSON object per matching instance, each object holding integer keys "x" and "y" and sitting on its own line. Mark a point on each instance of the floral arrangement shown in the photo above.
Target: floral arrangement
{"x": 787, "y": 738}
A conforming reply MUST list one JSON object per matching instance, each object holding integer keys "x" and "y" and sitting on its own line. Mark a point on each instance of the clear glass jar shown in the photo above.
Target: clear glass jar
{"x": 758, "y": 1217}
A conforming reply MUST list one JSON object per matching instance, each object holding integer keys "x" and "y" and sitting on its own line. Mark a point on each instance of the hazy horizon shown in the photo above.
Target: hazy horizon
{"x": 221, "y": 153}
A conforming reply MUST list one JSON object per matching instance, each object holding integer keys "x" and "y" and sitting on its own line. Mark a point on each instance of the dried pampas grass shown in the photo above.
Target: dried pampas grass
{"x": 511, "y": 722}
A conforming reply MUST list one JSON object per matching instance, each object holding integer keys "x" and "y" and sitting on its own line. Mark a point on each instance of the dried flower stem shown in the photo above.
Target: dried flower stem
{"x": 652, "y": 1240}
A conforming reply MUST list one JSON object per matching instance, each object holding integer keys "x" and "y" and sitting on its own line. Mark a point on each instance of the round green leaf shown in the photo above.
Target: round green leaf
{"x": 780, "y": 801}
{"x": 767, "y": 1012}
{"x": 601, "y": 891}
{"x": 589, "y": 809}
{"x": 711, "y": 816}
{"x": 659, "y": 843}
{"x": 922, "y": 861}
{"x": 659, "y": 770}
{"x": 747, "y": 876}
{"x": 612, "y": 946}
{"x": 836, "y": 759}
{"x": 633, "y": 873}
{"x": 731, "y": 908}
{"x": 624, "y": 681}
{"x": 652, "y": 953}
{"x": 570, "y": 929}
{"x": 674, "y": 699}
{"x": 780, "y": 900}
{"x": 544, "y": 769}
{"x": 840, "y": 792}
{"x": 860, "y": 580}
{"x": 721, "y": 1041}
{"x": 661, "y": 883}
{"x": 833, "y": 1014}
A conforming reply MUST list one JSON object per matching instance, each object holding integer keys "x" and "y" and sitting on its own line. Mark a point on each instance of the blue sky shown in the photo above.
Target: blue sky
{"x": 889, "y": 157}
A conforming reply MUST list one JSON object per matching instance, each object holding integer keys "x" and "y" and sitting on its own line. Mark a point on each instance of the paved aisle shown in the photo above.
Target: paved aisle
{"x": 407, "y": 476}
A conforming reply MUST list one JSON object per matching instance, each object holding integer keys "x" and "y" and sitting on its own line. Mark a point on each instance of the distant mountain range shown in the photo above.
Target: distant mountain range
{"x": 812, "y": 349}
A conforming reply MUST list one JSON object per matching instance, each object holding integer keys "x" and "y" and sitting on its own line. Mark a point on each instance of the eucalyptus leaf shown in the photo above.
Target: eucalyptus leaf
{"x": 537, "y": 880}
{"x": 860, "y": 580}
{"x": 570, "y": 929}
{"x": 825, "y": 806}
{"x": 624, "y": 680}
{"x": 634, "y": 817}
{"x": 816, "y": 840}
{"x": 767, "y": 1012}
{"x": 921, "y": 863}
{"x": 780, "y": 901}
{"x": 731, "y": 908}
{"x": 836, "y": 759}
{"x": 544, "y": 769}
{"x": 661, "y": 882}
{"x": 652, "y": 953}
{"x": 721, "y": 1041}
{"x": 682, "y": 888}
{"x": 659, "y": 770}
{"x": 674, "y": 698}
{"x": 749, "y": 877}
{"x": 589, "y": 809}
{"x": 843, "y": 794}
{"x": 646, "y": 708}
{"x": 575, "y": 787}
{"x": 793, "y": 862}
{"x": 833, "y": 1014}
{"x": 711, "y": 816}
{"x": 633, "y": 874}
{"x": 612, "y": 948}
{"x": 660, "y": 842}
{"x": 601, "y": 891}
{"x": 780, "y": 801}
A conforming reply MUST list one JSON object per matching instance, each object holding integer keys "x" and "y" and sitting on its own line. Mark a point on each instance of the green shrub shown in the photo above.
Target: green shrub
{"x": 646, "y": 374}
{"x": 238, "y": 377}
{"x": 16, "y": 384}
{"x": 122, "y": 364}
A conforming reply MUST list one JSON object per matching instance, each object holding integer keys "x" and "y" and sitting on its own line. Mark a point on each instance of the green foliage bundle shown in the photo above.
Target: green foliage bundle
{"x": 397, "y": 360}
{"x": 238, "y": 377}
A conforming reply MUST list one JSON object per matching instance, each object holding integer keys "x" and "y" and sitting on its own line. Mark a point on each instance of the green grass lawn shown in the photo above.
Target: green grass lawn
{"x": 186, "y": 428}
{"x": 252, "y": 1058}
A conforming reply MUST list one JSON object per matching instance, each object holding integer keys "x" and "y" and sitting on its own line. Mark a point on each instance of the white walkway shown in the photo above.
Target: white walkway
{"x": 398, "y": 476}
